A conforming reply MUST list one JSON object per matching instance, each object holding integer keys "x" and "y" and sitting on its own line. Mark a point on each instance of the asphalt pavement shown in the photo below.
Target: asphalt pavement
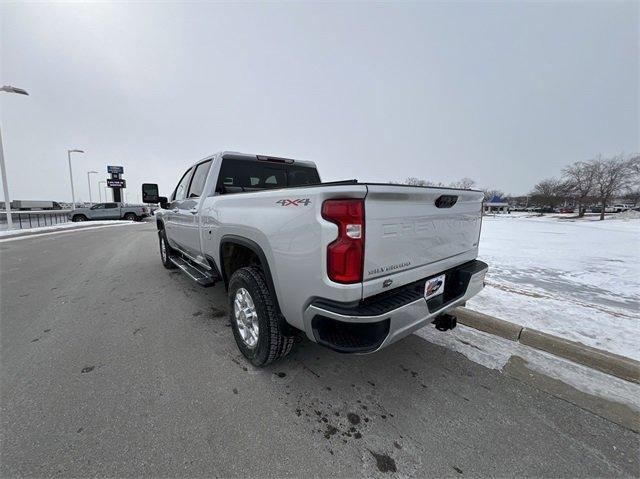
{"x": 113, "y": 366}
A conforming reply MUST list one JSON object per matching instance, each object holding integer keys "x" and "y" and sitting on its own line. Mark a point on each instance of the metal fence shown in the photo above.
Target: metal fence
{"x": 34, "y": 219}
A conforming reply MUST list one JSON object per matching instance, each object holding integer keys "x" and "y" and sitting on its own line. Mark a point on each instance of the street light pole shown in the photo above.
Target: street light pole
{"x": 73, "y": 195}
{"x": 5, "y": 184}
{"x": 89, "y": 182}
{"x": 100, "y": 191}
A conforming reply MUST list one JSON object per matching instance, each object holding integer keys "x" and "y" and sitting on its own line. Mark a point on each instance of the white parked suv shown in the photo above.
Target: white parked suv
{"x": 619, "y": 208}
{"x": 354, "y": 266}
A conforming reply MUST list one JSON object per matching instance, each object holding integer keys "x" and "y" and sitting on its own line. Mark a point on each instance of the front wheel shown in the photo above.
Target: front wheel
{"x": 165, "y": 250}
{"x": 254, "y": 318}
{"x": 131, "y": 217}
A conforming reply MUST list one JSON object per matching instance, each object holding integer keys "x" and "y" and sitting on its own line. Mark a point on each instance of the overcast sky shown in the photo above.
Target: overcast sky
{"x": 504, "y": 93}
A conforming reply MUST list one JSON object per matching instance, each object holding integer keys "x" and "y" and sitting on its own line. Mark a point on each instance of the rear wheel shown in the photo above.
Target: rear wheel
{"x": 254, "y": 318}
{"x": 165, "y": 250}
{"x": 131, "y": 217}
{"x": 77, "y": 218}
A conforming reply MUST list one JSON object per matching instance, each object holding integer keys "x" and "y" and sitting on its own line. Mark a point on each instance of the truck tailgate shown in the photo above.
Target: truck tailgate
{"x": 405, "y": 230}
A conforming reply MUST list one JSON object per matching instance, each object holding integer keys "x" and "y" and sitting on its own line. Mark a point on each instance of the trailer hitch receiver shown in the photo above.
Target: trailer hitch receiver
{"x": 445, "y": 322}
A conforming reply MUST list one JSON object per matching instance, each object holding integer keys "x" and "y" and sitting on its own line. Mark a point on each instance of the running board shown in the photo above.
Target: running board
{"x": 200, "y": 276}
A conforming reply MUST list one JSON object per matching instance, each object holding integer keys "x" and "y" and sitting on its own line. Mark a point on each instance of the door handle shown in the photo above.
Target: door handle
{"x": 175, "y": 210}
{"x": 193, "y": 211}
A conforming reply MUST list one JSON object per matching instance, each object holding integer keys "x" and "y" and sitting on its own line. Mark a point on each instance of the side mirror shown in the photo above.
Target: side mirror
{"x": 150, "y": 193}
{"x": 164, "y": 203}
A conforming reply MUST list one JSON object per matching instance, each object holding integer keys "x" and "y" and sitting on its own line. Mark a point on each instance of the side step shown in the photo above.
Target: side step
{"x": 199, "y": 275}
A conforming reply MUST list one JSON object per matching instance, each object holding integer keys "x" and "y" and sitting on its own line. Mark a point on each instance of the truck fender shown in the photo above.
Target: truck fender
{"x": 264, "y": 264}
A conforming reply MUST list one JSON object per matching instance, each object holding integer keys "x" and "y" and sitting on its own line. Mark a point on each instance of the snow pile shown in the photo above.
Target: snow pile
{"x": 578, "y": 279}
{"x": 628, "y": 215}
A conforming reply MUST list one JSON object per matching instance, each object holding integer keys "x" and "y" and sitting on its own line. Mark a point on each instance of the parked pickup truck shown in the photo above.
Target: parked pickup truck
{"x": 354, "y": 266}
{"x": 109, "y": 211}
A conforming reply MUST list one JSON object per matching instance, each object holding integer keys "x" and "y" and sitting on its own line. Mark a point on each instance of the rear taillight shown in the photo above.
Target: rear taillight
{"x": 345, "y": 255}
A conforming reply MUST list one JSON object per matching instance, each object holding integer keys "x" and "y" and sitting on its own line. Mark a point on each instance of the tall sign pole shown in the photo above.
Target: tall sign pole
{"x": 116, "y": 183}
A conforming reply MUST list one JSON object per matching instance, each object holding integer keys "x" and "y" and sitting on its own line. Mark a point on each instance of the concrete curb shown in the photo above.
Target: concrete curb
{"x": 488, "y": 324}
{"x": 604, "y": 361}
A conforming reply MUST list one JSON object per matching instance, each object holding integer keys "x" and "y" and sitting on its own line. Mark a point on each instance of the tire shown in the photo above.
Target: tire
{"x": 271, "y": 344}
{"x": 130, "y": 217}
{"x": 165, "y": 251}
{"x": 77, "y": 218}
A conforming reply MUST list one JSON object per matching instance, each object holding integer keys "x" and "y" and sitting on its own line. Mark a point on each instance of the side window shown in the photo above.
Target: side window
{"x": 98, "y": 206}
{"x": 199, "y": 179}
{"x": 180, "y": 192}
{"x": 110, "y": 205}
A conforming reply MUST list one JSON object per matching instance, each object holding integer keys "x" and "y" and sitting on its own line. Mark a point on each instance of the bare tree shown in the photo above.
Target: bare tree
{"x": 632, "y": 195}
{"x": 549, "y": 192}
{"x": 580, "y": 178}
{"x": 612, "y": 176}
{"x": 413, "y": 181}
{"x": 488, "y": 194}
{"x": 464, "y": 184}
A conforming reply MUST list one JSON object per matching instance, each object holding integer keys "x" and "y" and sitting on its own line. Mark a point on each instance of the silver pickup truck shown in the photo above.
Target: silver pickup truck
{"x": 354, "y": 266}
{"x": 109, "y": 211}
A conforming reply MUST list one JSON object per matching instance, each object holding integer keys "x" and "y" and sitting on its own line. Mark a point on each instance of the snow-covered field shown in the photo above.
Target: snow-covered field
{"x": 578, "y": 279}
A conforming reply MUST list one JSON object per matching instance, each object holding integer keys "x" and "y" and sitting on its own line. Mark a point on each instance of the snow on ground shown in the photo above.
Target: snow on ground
{"x": 494, "y": 352}
{"x": 574, "y": 278}
{"x": 6, "y": 234}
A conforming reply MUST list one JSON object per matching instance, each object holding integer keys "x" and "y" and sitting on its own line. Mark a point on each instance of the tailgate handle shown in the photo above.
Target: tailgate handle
{"x": 446, "y": 201}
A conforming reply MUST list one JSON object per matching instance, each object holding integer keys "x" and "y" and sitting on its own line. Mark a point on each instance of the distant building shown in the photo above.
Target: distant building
{"x": 496, "y": 205}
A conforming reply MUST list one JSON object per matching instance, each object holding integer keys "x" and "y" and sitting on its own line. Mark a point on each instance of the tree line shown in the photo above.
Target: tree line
{"x": 598, "y": 181}
{"x": 583, "y": 183}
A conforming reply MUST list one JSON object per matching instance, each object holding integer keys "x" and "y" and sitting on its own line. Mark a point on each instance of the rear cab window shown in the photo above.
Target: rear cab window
{"x": 237, "y": 176}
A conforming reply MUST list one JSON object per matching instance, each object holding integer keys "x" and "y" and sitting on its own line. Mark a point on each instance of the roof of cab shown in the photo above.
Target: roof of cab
{"x": 247, "y": 156}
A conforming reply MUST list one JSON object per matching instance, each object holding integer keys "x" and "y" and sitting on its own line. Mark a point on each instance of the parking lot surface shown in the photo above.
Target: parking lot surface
{"x": 113, "y": 366}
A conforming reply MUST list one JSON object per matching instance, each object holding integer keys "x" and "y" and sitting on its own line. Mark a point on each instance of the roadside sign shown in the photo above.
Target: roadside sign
{"x": 112, "y": 183}
{"x": 115, "y": 169}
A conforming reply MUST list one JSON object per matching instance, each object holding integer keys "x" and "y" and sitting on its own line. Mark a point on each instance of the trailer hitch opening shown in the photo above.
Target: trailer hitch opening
{"x": 445, "y": 322}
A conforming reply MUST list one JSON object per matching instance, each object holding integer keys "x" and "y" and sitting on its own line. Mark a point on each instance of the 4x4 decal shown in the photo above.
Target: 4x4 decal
{"x": 294, "y": 202}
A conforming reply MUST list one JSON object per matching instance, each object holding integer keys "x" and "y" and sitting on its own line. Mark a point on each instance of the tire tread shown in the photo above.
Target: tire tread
{"x": 279, "y": 344}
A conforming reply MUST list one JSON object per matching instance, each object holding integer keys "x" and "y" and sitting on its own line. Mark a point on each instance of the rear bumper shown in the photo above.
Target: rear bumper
{"x": 376, "y": 322}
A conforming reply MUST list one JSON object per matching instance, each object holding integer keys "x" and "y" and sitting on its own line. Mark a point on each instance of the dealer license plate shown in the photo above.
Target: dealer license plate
{"x": 434, "y": 286}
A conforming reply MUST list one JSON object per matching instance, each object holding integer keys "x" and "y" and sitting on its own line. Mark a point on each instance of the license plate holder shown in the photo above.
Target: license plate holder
{"x": 434, "y": 287}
